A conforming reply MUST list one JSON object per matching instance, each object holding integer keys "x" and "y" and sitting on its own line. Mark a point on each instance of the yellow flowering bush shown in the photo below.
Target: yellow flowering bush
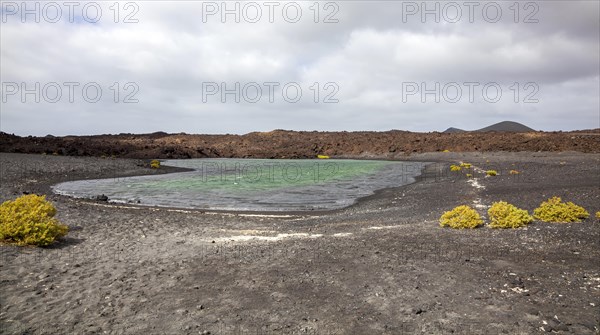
{"x": 155, "y": 164}
{"x": 466, "y": 165}
{"x": 505, "y": 215}
{"x": 455, "y": 167}
{"x": 29, "y": 220}
{"x": 491, "y": 173}
{"x": 461, "y": 217}
{"x": 554, "y": 210}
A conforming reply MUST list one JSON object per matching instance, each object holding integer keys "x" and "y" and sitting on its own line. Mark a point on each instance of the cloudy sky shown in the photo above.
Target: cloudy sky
{"x": 190, "y": 66}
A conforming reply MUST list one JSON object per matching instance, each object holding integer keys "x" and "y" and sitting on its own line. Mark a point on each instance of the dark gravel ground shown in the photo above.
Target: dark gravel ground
{"x": 382, "y": 266}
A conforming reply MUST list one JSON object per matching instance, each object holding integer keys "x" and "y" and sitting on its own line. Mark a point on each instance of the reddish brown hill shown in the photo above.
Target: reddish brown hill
{"x": 291, "y": 144}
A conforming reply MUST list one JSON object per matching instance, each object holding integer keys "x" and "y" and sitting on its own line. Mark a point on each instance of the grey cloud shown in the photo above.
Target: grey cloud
{"x": 370, "y": 53}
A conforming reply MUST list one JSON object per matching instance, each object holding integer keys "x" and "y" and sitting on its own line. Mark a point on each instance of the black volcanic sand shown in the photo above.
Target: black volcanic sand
{"x": 383, "y": 266}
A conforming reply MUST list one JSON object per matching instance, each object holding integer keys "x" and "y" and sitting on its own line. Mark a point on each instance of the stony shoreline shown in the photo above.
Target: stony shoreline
{"x": 382, "y": 266}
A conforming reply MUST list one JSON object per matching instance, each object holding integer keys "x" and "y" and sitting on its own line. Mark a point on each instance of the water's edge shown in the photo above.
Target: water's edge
{"x": 374, "y": 194}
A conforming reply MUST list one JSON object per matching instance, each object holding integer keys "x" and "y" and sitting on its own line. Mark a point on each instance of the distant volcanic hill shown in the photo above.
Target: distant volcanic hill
{"x": 504, "y": 126}
{"x": 508, "y": 126}
{"x": 453, "y": 130}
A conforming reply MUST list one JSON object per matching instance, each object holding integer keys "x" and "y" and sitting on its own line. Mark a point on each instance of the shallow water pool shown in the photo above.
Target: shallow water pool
{"x": 252, "y": 184}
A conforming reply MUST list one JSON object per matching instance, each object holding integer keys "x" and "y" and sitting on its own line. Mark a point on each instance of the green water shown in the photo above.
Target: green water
{"x": 252, "y": 184}
{"x": 261, "y": 175}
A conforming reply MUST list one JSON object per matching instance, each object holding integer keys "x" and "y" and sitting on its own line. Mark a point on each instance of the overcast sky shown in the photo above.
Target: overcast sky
{"x": 188, "y": 66}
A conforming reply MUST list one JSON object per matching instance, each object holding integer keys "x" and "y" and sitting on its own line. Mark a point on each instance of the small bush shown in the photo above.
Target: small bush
{"x": 455, "y": 167}
{"x": 469, "y": 175}
{"x": 466, "y": 165}
{"x": 554, "y": 210}
{"x": 514, "y": 172}
{"x": 461, "y": 217}
{"x": 598, "y": 215}
{"x": 29, "y": 220}
{"x": 155, "y": 164}
{"x": 491, "y": 173}
{"x": 505, "y": 215}
{"x": 446, "y": 150}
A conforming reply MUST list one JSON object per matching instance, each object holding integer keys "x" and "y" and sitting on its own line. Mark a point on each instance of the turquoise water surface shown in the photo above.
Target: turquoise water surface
{"x": 252, "y": 184}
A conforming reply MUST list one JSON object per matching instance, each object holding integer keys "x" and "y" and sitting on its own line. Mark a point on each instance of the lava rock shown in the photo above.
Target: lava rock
{"x": 102, "y": 197}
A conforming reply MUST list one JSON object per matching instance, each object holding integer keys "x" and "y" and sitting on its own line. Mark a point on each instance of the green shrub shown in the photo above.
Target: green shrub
{"x": 155, "y": 164}
{"x": 29, "y": 220}
{"x": 554, "y": 210}
{"x": 491, "y": 173}
{"x": 461, "y": 217}
{"x": 505, "y": 215}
